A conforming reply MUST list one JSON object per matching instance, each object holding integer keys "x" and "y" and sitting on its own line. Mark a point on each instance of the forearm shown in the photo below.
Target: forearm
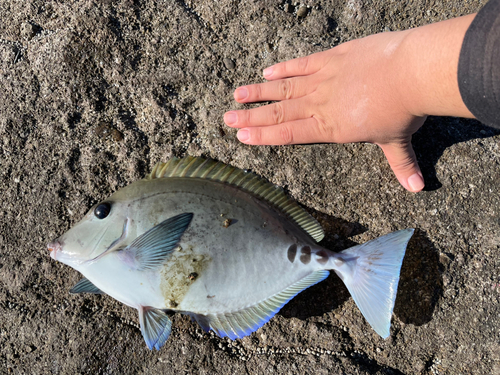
{"x": 428, "y": 62}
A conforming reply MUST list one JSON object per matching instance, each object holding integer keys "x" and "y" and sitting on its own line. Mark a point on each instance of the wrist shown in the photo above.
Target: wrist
{"x": 427, "y": 60}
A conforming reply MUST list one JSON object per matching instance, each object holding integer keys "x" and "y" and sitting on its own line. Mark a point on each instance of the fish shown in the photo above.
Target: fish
{"x": 222, "y": 245}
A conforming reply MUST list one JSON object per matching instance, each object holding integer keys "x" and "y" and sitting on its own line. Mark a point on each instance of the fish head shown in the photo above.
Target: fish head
{"x": 103, "y": 228}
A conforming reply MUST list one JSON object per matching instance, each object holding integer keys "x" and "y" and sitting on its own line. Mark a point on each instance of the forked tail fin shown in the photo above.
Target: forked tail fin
{"x": 371, "y": 274}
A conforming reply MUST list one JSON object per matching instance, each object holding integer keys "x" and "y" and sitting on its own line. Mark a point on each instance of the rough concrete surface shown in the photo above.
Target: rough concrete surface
{"x": 94, "y": 93}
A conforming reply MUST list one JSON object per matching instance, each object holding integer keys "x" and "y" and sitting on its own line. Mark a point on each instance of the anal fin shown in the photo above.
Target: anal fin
{"x": 238, "y": 324}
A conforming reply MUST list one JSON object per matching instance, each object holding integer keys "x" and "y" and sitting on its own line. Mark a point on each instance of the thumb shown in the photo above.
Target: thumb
{"x": 403, "y": 162}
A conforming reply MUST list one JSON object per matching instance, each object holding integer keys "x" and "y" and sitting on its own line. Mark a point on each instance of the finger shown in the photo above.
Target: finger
{"x": 403, "y": 162}
{"x": 272, "y": 114}
{"x": 282, "y": 89}
{"x": 301, "y": 131}
{"x": 297, "y": 67}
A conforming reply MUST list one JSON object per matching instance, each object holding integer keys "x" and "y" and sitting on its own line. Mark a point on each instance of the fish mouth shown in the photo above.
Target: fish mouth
{"x": 53, "y": 248}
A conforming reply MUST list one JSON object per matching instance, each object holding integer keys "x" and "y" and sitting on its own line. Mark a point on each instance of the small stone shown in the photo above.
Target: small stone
{"x": 229, "y": 64}
{"x": 302, "y": 12}
{"x": 117, "y": 135}
{"x": 102, "y": 130}
{"x": 28, "y": 31}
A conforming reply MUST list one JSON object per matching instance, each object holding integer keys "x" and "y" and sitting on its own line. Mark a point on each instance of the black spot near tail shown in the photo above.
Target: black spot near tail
{"x": 322, "y": 257}
{"x": 292, "y": 251}
{"x": 305, "y": 254}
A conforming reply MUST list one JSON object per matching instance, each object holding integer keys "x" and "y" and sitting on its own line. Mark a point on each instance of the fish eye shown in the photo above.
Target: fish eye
{"x": 102, "y": 210}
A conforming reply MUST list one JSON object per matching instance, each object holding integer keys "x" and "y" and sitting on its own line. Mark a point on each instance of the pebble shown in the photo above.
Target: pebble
{"x": 229, "y": 64}
{"x": 117, "y": 135}
{"x": 302, "y": 12}
{"x": 28, "y": 31}
{"x": 103, "y": 130}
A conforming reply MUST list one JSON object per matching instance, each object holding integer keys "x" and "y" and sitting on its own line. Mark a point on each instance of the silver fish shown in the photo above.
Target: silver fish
{"x": 221, "y": 245}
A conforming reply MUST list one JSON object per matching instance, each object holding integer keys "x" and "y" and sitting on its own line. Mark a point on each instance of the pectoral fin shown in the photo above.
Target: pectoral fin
{"x": 151, "y": 249}
{"x": 85, "y": 286}
{"x": 155, "y": 326}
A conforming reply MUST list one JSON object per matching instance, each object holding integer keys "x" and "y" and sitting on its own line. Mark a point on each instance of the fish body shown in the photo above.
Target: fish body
{"x": 221, "y": 245}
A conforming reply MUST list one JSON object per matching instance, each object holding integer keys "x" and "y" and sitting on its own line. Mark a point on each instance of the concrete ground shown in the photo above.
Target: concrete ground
{"x": 94, "y": 93}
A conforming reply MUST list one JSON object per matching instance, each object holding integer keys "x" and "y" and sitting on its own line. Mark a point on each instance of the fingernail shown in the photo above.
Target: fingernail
{"x": 243, "y": 135}
{"x": 230, "y": 118}
{"x": 268, "y": 72}
{"x": 416, "y": 182}
{"x": 241, "y": 93}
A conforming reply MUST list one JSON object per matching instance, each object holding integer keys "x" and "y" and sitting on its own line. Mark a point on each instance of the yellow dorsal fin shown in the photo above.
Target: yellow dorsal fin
{"x": 194, "y": 167}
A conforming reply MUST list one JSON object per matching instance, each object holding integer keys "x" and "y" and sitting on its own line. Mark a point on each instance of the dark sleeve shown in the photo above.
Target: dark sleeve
{"x": 479, "y": 65}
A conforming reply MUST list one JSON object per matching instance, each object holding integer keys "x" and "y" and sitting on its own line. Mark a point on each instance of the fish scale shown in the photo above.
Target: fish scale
{"x": 221, "y": 245}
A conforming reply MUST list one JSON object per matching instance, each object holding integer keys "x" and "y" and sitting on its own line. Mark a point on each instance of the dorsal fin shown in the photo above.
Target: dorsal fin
{"x": 194, "y": 167}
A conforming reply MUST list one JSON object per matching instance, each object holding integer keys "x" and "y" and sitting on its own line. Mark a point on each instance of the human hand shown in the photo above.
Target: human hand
{"x": 366, "y": 90}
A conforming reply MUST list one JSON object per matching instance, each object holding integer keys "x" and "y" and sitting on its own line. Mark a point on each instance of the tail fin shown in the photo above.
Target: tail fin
{"x": 371, "y": 274}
